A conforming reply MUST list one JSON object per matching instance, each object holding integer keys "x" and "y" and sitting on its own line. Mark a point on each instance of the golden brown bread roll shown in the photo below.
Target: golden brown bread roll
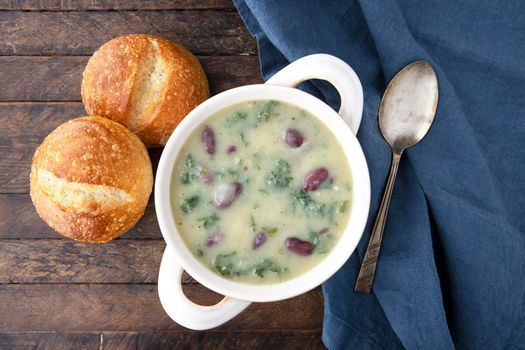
{"x": 147, "y": 83}
{"x": 91, "y": 179}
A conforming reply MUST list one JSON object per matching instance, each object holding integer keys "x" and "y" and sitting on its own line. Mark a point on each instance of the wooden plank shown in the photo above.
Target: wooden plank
{"x": 59, "y": 78}
{"x": 41, "y": 78}
{"x": 67, "y": 261}
{"x": 81, "y": 33}
{"x": 49, "y": 341}
{"x": 90, "y": 5}
{"x": 135, "y": 308}
{"x": 19, "y": 137}
{"x": 19, "y": 220}
{"x": 217, "y": 340}
{"x": 24, "y": 127}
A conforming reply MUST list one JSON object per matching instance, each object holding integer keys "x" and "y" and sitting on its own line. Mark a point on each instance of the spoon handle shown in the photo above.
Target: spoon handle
{"x": 368, "y": 268}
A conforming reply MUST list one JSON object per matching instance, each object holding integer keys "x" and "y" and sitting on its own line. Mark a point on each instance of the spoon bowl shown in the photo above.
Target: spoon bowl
{"x": 406, "y": 113}
{"x": 409, "y": 105}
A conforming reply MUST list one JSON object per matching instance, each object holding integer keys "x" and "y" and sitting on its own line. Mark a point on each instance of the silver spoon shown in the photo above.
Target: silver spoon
{"x": 406, "y": 113}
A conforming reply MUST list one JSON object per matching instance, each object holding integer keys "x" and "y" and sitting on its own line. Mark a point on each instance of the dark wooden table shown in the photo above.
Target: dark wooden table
{"x": 59, "y": 294}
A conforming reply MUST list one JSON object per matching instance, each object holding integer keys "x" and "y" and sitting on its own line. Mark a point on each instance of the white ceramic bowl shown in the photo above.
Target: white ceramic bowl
{"x": 177, "y": 257}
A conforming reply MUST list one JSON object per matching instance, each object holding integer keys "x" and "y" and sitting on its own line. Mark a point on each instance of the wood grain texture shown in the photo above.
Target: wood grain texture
{"x": 217, "y": 340}
{"x": 59, "y": 78}
{"x": 67, "y": 261}
{"x": 19, "y": 220}
{"x": 91, "y": 5}
{"x": 50, "y": 341}
{"x": 24, "y": 127}
{"x": 59, "y": 294}
{"x": 81, "y": 33}
{"x": 28, "y": 224}
{"x": 28, "y": 261}
{"x": 135, "y": 308}
{"x": 19, "y": 137}
{"x": 17, "y": 147}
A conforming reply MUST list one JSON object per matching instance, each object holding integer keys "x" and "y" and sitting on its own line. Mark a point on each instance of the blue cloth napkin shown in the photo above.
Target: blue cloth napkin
{"x": 452, "y": 266}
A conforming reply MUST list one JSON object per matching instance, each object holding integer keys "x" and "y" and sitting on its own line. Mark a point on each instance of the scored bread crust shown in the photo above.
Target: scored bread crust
{"x": 91, "y": 179}
{"x": 145, "y": 82}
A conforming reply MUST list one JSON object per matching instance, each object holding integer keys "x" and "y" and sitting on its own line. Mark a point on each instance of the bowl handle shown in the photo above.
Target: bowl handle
{"x": 185, "y": 312}
{"x": 337, "y": 73}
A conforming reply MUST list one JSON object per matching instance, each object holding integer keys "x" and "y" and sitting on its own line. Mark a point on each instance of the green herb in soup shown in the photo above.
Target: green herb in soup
{"x": 280, "y": 176}
{"x": 261, "y": 192}
{"x": 209, "y": 221}
{"x": 188, "y": 204}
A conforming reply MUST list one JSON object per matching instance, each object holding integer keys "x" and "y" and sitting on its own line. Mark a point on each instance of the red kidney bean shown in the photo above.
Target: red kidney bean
{"x": 293, "y": 138}
{"x": 231, "y": 149}
{"x": 298, "y": 246}
{"x": 259, "y": 240}
{"x": 225, "y": 194}
{"x": 208, "y": 140}
{"x": 215, "y": 238}
{"x": 315, "y": 178}
{"x": 324, "y": 230}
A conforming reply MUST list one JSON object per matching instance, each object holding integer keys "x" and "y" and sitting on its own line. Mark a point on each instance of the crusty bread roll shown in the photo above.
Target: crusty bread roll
{"x": 147, "y": 83}
{"x": 91, "y": 179}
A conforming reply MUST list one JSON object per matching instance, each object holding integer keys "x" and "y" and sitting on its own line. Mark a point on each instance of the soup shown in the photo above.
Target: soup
{"x": 261, "y": 192}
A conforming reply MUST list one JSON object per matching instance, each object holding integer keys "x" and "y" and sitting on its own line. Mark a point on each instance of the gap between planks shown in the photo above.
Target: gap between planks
{"x": 194, "y": 9}
{"x": 29, "y": 225}
{"x": 136, "y": 308}
{"x": 58, "y": 78}
{"x": 81, "y": 33}
{"x": 215, "y": 339}
{"x": 183, "y": 330}
{"x": 114, "y": 5}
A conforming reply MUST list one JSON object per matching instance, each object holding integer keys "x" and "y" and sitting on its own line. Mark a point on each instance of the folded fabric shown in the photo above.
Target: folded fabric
{"x": 452, "y": 266}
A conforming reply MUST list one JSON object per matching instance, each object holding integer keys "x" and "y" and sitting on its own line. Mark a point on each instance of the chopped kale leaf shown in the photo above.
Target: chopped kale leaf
{"x": 186, "y": 177}
{"x": 223, "y": 264}
{"x": 320, "y": 242}
{"x": 280, "y": 176}
{"x": 190, "y": 163}
{"x": 240, "y": 116}
{"x": 209, "y": 221}
{"x": 266, "y": 112}
{"x": 303, "y": 199}
{"x": 267, "y": 265}
{"x": 189, "y": 204}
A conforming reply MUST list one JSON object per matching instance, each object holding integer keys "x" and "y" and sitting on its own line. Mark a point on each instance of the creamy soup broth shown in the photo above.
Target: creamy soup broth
{"x": 261, "y": 192}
